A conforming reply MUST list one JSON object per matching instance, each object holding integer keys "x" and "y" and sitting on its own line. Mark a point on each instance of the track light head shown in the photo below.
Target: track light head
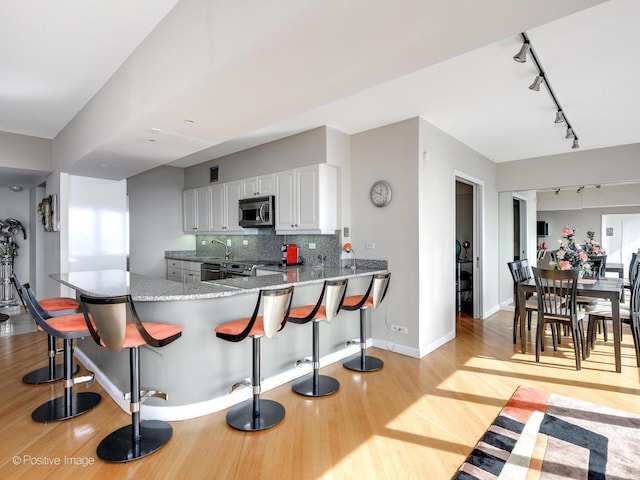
{"x": 580, "y": 189}
{"x": 575, "y": 143}
{"x": 559, "y": 117}
{"x": 557, "y": 192}
{"x": 536, "y": 83}
{"x": 569, "y": 133}
{"x": 521, "y": 56}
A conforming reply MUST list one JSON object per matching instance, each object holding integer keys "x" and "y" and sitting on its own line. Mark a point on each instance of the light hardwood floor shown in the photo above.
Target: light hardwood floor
{"x": 413, "y": 419}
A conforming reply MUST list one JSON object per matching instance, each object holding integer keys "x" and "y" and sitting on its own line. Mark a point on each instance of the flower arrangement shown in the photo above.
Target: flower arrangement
{"x": 570, "y": 255}
{"x": 590, "y": 246}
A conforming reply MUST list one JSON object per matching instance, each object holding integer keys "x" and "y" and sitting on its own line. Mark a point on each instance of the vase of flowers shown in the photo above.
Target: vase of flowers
{"x": 591, "y": 247}
{"x": 570, "y": 255}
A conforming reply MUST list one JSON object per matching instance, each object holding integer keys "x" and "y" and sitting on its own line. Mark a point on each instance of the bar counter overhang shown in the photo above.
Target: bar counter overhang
{"x": 197, "y": 370}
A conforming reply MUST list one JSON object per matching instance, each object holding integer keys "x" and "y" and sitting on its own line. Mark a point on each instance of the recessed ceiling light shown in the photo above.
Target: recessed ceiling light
{"x": 151, "y": 140}
{"x": 15, "y": 188}
{"x": 188, "y": 120}
{"x": 156, "y": 130}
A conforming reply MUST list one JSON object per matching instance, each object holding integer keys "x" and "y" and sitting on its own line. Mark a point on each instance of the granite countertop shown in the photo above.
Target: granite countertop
{"x": 192, "y": 257}
{"x": 151, "y": 289}
{"x": 299, "y": 275}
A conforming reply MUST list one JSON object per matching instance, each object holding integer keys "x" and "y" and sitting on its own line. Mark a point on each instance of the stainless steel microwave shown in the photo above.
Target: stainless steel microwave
{"x": 257, "y": 212}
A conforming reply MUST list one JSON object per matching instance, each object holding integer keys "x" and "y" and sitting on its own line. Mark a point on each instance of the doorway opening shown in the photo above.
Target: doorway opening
{"x": 468, "y": 238}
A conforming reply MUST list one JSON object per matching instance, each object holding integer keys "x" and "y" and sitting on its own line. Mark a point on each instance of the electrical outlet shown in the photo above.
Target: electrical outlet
{"x": 203, "y": 242}
{"x": 228, "y": 242}
{"x": 245, "y": 242}
{"x": 399, "y": 329}
{"x": 312, "y": 246}
{"x": 370, "y": 246}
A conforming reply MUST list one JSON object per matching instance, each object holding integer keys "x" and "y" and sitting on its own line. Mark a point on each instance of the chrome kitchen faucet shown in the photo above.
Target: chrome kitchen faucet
{"x": 227, "y": 252}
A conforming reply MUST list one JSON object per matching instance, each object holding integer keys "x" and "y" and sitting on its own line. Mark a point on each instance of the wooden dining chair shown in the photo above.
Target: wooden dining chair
{"x": 601, "y": 312}
{"x": 557, "y": 306}
{"x": 520, "y": 271}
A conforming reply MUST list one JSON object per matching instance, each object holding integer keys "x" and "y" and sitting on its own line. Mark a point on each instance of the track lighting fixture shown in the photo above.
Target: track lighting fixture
{"x": 557, "y": 192}
{"x": 580, "y": 189}
{"x": 541, "y": 77}
{"x": 536, "y": 83}
{"x": 521, "y": 56}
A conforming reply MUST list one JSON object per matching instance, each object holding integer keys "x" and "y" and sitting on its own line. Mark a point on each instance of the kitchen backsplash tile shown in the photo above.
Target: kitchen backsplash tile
{"x": 267, "y": 247}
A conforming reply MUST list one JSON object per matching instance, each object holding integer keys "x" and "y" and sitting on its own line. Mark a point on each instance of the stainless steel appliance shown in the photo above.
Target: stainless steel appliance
{"x": 231, "y": 269}
{"x": 257, "y": 212}
{"x": 211, "y": 271}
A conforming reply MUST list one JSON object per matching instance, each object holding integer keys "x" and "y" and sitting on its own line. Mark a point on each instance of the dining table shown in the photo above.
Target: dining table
{"x": 607, "y": 288}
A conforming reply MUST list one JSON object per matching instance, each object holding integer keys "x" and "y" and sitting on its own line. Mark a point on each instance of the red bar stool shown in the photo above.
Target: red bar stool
{"x": 256, "y": 413}
{"x": 333, "y": 291}
{"x": 68, "y": 328}
{"x": 50, "y": 307}
{"x": 106, "y": 320}
{"x": 379, "y": 285}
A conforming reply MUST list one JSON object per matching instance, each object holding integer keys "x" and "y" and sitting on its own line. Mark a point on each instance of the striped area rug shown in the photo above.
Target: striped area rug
{"x": 548, "y": 436}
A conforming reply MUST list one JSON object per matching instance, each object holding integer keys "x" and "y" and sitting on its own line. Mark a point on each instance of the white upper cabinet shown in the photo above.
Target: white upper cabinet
{"x": 224, "y": 208}
{"x": 306, "y": 200}
{"x": 196, "y": 210}
{"x": 258, "y": 186}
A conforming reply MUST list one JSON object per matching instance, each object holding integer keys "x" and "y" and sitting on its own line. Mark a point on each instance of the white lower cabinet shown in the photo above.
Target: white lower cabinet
{"x": 183, "y": 271}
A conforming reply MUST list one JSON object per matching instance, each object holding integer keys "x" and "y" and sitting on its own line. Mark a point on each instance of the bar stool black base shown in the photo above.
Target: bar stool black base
{"x": 370, "y": 364}
{"x": 56, "y": 409}
{"x": 42, "y": 375}
{"x": 241, "y": 416}
{"x": 118, "y": 447}
{"x": 326, "y": 386}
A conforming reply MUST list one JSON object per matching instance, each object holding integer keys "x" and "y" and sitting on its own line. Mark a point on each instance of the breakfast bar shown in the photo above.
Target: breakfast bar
{"x": 197, "y": 370}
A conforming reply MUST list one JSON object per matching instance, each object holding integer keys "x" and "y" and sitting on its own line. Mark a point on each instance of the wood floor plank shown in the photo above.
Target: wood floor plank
{"x": 416, "y": 418}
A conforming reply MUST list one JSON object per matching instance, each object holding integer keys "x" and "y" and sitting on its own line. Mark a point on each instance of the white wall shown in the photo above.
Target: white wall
{"x": 155, "y": 219}
{"x": 443, "y": 158}
{"x": 584, "y": 167}
{"x": 25, "y": 152}
{"x": 416, "y": 231}
{"x": 306, "y": 148}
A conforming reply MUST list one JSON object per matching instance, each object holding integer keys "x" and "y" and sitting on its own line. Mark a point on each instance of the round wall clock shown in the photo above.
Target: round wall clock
{"x": 380, "y": 193}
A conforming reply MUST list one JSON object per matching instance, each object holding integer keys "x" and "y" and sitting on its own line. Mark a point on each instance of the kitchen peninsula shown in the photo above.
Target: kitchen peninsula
{"x": 197, "y": 370}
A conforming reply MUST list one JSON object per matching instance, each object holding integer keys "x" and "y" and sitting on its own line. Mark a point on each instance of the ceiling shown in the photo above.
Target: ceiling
{"x": 480, "y": 97}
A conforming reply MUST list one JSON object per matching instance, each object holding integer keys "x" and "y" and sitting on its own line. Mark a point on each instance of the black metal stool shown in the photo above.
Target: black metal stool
{"x": 50, "y": 307}
{"x": 106, "y": 319}
{"x": 68, "y": 328}
{"x": 373, "y": 296}
{"x": 318, "y": 385}
{"x": 256, "y": 413}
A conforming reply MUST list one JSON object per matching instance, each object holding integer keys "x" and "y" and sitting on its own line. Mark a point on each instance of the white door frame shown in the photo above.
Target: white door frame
{"x": 478, "y": 237}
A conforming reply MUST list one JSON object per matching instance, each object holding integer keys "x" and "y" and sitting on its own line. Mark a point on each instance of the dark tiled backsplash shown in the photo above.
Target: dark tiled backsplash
{"x": 268, "y": 247}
